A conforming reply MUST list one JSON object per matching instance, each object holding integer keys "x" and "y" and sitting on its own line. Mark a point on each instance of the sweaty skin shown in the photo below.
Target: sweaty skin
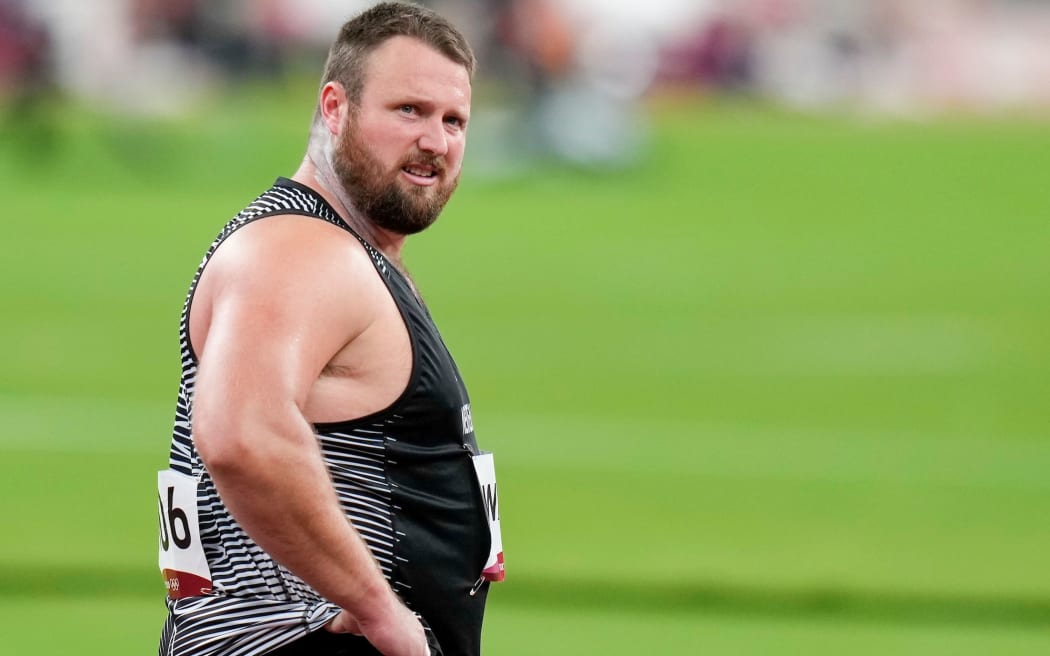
{"x": 292, "y": 326}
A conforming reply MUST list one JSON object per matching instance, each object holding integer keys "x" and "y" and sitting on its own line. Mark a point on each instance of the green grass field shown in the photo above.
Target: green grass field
{"x": 781, "y": 388}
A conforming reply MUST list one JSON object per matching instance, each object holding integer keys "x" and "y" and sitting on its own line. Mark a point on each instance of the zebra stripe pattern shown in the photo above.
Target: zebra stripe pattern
{"x": 257, "y": 605}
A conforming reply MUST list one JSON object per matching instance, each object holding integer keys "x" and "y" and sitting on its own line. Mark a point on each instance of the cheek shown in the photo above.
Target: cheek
{"x": 454, "y": 157}
{"x": 385, "y": 143}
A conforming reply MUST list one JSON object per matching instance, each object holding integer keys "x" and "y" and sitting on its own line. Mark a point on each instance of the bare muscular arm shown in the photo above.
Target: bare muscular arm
{"x": 275, "y": 304}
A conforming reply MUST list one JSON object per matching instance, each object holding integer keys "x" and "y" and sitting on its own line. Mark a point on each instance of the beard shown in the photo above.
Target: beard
{"x": 380, "y": 195}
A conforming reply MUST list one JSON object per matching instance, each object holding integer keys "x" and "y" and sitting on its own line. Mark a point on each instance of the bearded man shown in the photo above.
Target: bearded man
{"x": 325, "y": 491}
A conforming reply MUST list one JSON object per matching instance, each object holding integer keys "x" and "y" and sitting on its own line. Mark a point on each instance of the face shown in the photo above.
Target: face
{"x": 400, "y": 151}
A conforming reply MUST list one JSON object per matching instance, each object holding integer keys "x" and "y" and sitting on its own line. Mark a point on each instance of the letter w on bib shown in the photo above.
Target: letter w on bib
{"x": 486, "y": 470}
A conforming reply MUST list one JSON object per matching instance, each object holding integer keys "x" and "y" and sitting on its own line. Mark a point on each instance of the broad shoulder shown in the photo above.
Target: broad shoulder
{"x": 296, "y": 253}
{"x": 292, "y": 270}
{"x": 270, "y": 244}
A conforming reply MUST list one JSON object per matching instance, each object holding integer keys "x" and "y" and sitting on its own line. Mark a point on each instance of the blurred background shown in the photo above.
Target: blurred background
{"x": 751, "y": 296}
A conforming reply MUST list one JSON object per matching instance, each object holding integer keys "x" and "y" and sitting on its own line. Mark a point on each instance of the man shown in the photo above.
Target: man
{"x": 316, "y": 389}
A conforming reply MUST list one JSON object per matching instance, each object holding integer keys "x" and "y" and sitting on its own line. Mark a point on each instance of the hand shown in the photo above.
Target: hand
{"x": 397, "y": 633}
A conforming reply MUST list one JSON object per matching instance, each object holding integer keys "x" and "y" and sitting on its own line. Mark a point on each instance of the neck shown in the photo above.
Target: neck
{"x": 316, "y": 172}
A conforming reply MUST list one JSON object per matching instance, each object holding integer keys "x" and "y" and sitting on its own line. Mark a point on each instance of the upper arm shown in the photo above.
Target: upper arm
{"x": 277, "y": 301}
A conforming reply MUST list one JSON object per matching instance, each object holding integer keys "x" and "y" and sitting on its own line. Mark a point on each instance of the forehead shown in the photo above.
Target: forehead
{"x": 404, "y": 66}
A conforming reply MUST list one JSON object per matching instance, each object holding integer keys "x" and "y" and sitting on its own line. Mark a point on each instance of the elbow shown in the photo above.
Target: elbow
{"x": 218, "y": 444}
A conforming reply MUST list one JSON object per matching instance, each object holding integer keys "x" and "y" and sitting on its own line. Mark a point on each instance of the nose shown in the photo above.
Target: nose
{"x": 433, "y": 140}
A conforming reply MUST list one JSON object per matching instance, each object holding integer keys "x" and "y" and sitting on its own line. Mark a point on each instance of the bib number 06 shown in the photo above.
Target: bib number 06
{"x": 180, "y": 554}
{"x": 174, "y": 524}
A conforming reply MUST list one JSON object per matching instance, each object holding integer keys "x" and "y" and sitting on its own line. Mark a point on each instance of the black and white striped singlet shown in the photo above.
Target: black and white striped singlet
{"x": 403, "y": 476}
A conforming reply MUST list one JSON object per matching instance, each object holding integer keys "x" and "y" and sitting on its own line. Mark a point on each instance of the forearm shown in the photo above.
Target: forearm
{"x": 280, "y": 492}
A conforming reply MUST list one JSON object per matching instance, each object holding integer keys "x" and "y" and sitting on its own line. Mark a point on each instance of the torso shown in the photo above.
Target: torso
{"x": 392, "y": 419}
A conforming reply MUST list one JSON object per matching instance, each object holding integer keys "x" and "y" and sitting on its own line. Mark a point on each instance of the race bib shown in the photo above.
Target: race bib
{"x": 181, "y": 559}
{"x": 486, "y": 471}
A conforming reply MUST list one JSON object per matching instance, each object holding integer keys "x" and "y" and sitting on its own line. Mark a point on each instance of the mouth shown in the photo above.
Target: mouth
{"x": 421, "y": 174}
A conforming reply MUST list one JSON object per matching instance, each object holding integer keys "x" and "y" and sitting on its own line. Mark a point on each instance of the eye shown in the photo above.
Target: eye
{"x": 454, "y": 121}
{"x": 407, "y": 109}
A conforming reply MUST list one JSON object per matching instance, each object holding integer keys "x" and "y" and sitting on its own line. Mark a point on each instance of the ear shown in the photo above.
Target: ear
{"x": 333, "y": 106}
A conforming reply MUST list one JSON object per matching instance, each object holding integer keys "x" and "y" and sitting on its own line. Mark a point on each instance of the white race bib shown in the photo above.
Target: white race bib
{"x": 486, "y": 471}
{"x": 181, "y": 558}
